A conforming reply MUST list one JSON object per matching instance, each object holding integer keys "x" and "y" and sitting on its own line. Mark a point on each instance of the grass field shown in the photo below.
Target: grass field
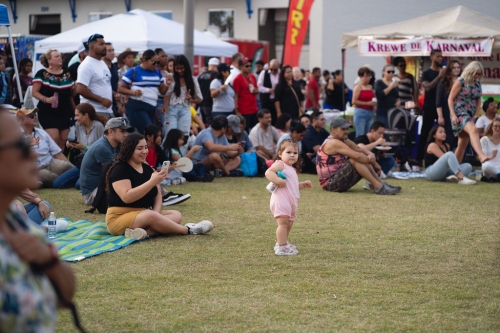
{"x": 426, "y": 260}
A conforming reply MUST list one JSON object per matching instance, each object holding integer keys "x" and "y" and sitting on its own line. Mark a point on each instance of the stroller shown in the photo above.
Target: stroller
{"x": 401, "y": 134}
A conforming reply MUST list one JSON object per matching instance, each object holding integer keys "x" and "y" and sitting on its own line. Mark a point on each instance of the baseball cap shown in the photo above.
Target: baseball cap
{"x": 339, "y": 122}
{"x": 94, "y": 37}
{"x": 118, "y": 122}
{"x": 213, "y": 61}
{"x": 243, "y": 61}
{"x": 23, "y": 112}
{"x": 234, "y": 122}
{"x": 223, "y": 67}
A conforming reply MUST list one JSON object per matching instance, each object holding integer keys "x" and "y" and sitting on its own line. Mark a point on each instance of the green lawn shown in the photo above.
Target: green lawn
{"x": 426, "y": 260}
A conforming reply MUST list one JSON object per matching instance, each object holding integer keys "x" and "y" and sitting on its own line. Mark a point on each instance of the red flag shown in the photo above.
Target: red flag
{"x": 296, "y": 28}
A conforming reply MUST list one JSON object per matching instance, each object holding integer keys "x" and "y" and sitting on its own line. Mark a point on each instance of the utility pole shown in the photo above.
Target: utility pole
{"x": 189, "y": 30}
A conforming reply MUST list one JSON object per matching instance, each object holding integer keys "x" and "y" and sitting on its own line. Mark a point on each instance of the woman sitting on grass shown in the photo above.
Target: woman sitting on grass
{"x": 490, "y": 142}
{"x": 440, "y": 163}
{"x": 135, "y": 199}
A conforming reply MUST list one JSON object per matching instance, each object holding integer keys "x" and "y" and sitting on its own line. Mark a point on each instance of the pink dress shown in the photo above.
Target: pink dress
{"x": 284, "y": 200}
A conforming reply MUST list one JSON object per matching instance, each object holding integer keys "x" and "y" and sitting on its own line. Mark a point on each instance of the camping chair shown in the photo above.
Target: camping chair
{"x": 400, "y": 134}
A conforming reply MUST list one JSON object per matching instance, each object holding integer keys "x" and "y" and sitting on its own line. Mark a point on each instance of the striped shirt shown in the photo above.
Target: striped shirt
{"x": 406, "y": 89}
{"x": 145, "y": 80}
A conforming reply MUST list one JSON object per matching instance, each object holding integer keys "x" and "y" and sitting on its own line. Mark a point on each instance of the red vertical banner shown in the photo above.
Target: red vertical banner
{"x": 296, "y": 28}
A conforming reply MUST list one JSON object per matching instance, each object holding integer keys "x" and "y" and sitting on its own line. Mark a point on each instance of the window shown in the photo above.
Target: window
{"x": 281, "y": 29}
{"x": 164, "y": 13}
{"x": 96, "y": 16}
{"x": 45, "y": 24}
{"x": 221, "y": 22}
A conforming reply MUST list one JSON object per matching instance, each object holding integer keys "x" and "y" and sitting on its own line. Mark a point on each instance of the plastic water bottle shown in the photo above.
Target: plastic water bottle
{"x": 271, "y": 187}
{"x": 52, "y": 226}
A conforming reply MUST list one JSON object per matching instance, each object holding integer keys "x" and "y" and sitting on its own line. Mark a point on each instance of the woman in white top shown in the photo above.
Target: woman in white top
{"x": 222, "y": 94}
{"x": 489, "y": 143}
{"x": 182, "y": 92}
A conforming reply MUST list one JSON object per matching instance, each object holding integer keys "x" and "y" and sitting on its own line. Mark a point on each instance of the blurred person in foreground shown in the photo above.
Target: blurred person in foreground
{"x": 31, "y": 272}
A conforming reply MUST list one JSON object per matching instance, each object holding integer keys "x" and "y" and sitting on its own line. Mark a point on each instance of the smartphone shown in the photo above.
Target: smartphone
{"x": 242, "y": 143}
{"x": 165, "y": 165}
{"x": 72, "y": 140}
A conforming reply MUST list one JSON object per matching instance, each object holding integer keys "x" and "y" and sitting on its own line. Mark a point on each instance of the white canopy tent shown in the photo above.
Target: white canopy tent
{"x": 138, "y": 30}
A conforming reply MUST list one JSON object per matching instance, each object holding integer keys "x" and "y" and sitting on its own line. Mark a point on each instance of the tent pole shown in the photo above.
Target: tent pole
{"x": 342, "y": 55}
{"x": 12, "y": 49}
{"x": 189, "y": 31}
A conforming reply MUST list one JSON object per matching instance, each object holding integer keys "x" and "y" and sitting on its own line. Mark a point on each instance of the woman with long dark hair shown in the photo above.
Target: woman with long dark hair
{"x": 440, "y": 162}
{"x": 464, "y": 103}
{"x": 25, "y": 68}
{"x": 143, "y": 83}
{"x": 89, "y": 127}
{"x": 453, "y": 71}
{"x": 222, "y": 94}
{"x": 183, "y": 91}
{"x": 135, "y": 199}
{"x": 288, "y": 97}
{"x": 53, "y": 87}
{"x": 30, "y": 269}
{"x": 284, "y": 123}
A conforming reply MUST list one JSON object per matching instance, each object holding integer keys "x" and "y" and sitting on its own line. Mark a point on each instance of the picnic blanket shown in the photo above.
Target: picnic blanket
{"x": 84, "y": 239}
{"x": 408, "y": 175}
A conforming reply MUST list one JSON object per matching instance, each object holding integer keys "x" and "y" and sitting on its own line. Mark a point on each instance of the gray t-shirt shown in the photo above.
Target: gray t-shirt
{"x": 96, "y": 132}
{"x": 287, "y": 136}
{"x": 225, "y": 101}
{"x": 266, "y": 139}
{"x": 208, "y": 135}
{"x": 99, "y": 153}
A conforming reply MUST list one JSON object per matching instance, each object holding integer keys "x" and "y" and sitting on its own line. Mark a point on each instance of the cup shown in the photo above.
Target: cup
{"x": 409, "y": 105}
{"x": 479, "y": 174}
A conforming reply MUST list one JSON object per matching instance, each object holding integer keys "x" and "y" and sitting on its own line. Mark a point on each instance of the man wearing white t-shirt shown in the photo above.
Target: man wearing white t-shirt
{"x": 94, "y": 78}
{"x": 235, "y": 67}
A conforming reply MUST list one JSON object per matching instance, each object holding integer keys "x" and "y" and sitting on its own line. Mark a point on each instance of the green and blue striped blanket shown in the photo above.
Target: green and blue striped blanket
{"x": 85, "y": 239}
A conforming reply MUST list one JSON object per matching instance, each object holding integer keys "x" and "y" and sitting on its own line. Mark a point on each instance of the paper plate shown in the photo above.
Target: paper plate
{"x": 184, "y": 164}
{"x": 383, "y": 148}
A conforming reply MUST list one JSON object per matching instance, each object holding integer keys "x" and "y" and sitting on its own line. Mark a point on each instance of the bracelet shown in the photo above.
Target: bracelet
{"x": 38, "y": 203}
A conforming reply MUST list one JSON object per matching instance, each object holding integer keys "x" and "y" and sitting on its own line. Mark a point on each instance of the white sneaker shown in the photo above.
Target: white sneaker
{"x": 466, "y": 181}
{"x": 286, "y": 250}
{"x": 452, "y": 179}
{"x": 137, "y": 233}
{"x": 61, "y": 225}
{"x": 382, "y": 175}
{"x": 200, "y": 228}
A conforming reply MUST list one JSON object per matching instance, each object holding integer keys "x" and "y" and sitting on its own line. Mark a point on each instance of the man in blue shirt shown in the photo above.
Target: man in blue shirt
{"x": 216, "y": 152}
{"x": 101, "y": 152}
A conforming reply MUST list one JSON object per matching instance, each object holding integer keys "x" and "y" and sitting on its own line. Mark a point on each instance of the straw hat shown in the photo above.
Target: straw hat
{"x": 125, "y": 53}
{"x": 23, "y": 112}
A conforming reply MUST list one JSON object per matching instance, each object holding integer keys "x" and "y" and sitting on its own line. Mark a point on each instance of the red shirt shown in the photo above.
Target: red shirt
{"x": 151, "y": 158}
{"x": 314, "y": 86}
{"x": 247, "y": 102}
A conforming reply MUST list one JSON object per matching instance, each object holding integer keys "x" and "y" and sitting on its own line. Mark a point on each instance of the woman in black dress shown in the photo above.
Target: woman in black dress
{"x": 53, "y": 87}
{"x": 287, "y": 95}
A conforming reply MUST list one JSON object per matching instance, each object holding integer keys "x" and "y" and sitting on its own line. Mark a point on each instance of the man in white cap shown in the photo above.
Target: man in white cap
{"x": 204, "y": 81}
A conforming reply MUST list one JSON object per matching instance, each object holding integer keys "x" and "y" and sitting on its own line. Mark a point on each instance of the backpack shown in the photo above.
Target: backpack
{"x": 101, "y": 198}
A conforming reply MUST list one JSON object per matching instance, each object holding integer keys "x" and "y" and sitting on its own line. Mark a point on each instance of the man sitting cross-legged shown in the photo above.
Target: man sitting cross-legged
{"x": 341, "y": 164}
{"x": 373, "y": 139}
{"x": 216, "y": 153}
{"x": 264, "y": 136}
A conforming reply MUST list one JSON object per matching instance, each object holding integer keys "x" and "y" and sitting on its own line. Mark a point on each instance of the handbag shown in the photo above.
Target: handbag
{"x": 249, "y": 164}
{"x": 301, "y": 109}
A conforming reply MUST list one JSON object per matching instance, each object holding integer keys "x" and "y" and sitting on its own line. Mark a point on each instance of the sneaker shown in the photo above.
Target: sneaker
{"x": 137, "y": 233}
{"x": 236, "y": 173}
{"x": 182, "y": 180}
{"x": 385, "y": 190}
{"x": 382, "y": 175}
{"x": 285, "y": 250}
{"x": 218, "y": 173}
{"x": 466, "y": 181}
{"x": 175, "y": 198}
{"x": 168, "y": 196}
{"x": 200, "y": 228}
{"x": 61, "y": 225}
{"x": 368, "y": 186}
{"x": 452, "y": 179}
{"x": 398, "y": 188}
{"x": 208, "y": 178}
{"x": 291, "y": 245}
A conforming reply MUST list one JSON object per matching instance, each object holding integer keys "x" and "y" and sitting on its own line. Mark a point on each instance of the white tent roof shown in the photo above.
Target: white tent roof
{"x": 453, "y": 22}
{"x": 138, "y": 30}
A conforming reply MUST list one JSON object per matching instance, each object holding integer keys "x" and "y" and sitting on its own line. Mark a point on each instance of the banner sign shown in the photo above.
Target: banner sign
{"x": 296, "y": 28}
{"x": 472, "y": 47}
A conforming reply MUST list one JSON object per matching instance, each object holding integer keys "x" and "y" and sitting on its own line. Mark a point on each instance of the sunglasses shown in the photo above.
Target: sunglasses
{"x": 32, "y": 116}
{"x": 22, "y": 144}
{"x": 390, "y": 72}
{"x": 155, "y": 62}
{"x": 94, "y": 37}
{"x": 247, "y": 66}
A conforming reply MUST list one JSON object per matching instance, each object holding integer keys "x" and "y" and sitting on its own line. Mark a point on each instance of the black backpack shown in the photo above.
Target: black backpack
{"x": 101, "y": 198}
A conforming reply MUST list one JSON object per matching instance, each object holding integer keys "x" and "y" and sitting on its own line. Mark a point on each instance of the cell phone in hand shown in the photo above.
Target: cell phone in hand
{"x": 74, "y": 140}
{"x": 165, "y": 165}
{"x": 242, "y": 143}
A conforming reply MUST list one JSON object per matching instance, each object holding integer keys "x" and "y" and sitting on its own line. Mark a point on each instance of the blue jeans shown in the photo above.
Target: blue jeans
{"x": 67, "y": 179}
{"x": 363, "y": 119}
{"x": 445, "y": 166}
{"x": 224, "y": 114}
{"x": 197, "y": 172}
{"x": 34, "y": 213}
{"x": 161, "y": 116}
{"x": 386, "y": 163}
{"x": 140, "y": 114}
{"x": 178, "y": 117}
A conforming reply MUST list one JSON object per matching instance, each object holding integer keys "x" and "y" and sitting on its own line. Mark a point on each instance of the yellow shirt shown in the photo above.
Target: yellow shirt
{"x": 193, "y": 115}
